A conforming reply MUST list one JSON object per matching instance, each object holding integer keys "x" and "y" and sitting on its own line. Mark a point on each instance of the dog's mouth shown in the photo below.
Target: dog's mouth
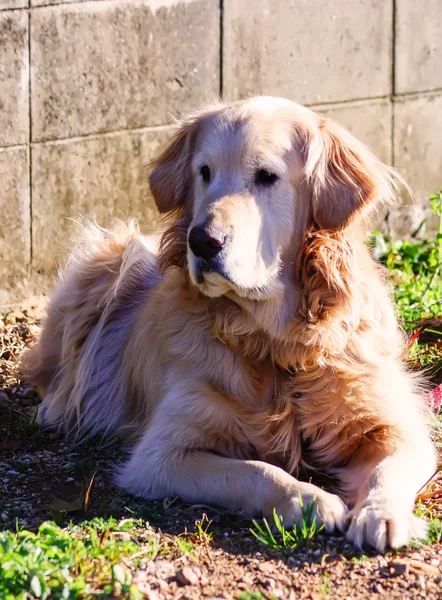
{"x": 210, "y": 277}
{"x": 205, "y": 267}
{"x": 213, "y": 281}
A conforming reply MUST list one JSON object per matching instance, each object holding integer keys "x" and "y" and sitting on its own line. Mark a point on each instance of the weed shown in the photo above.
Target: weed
{"x": 184, "y": 545}
{"x": 73, "y": 562}
{"x": 252, "y": 595}
{"x": 360, "y": 559}
{"x": 202, "y": 533}
{"x": 415, "y": 268}
{"x": 324, "y": 587}
{"x": 288, "y": 538}
{"x": 434, "y": 522}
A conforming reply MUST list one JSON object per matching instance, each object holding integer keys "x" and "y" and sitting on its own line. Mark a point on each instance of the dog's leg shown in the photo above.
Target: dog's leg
{"x": 253, "y": 488}
{"x": 161, "y": 466}
{"x": 387, "y": 469}
{"x": 383, "y": 513}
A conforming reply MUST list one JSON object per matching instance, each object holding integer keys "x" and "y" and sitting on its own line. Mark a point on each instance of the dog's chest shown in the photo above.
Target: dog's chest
{"x": 262, "y": 413}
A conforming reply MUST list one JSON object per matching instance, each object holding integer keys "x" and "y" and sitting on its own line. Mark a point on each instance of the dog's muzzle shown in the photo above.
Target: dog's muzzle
{"x": 207, "y": 248}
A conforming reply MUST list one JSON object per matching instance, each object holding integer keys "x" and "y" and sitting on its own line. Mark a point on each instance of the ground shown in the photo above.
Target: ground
{"x": 68, "y": 532}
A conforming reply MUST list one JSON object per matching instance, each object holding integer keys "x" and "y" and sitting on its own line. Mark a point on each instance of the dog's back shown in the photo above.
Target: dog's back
{"x": 92, "y": 313}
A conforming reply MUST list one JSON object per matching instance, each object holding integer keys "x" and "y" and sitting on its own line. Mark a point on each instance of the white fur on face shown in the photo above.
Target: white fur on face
{"x": 255, "y": 220}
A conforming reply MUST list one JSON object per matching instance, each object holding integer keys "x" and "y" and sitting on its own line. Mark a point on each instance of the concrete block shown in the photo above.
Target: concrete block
{"x": 101, "y": 177}
{"x": 15, "y": 242}
{"x": 310, "y": 51}
{"x": 418, "y": 158}
{"x": 105, "y": 66}
{"x": 418, "y": 45}
{"x": 13, "y": 4}
{"x": 48, "y": 2}
{"x": 369, "y": 121}
{"x": 14, "y": 78}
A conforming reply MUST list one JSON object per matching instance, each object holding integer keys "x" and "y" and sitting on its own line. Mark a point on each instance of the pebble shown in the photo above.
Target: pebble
{"x": 186, "y": 576}
{"x": 378, "y": 588}
{"x": 266, "y": 567}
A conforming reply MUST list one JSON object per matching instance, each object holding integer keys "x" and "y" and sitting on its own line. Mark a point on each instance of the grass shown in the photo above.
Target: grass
{"x": 251, "y": 595}
{"x": 431, "y": 513}
{"x": 287, "y": 539}
{"x": 74, "y": 562}
{"x": 415, "y": 271}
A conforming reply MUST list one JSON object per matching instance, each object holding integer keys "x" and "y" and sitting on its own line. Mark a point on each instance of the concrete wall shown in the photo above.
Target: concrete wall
{"x": 87, "y": 89}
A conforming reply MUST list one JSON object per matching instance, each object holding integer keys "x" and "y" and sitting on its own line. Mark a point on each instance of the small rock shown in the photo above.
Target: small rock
{"x": 378, "y": 589}
{"x": 265, "y": 567}
{"x": 415, "y": 556}
{"x": 397, "y": 568}
{"x": 186, "y": 576}
{"x": 269, "y": 583}
{"x": 162, "y": 584}
{"x": 120, "y": 535}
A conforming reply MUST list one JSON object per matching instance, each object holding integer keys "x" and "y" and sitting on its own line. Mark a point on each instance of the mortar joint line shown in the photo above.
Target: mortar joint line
{"x": 221, "y": 48}
{"x": 31, "y": 244}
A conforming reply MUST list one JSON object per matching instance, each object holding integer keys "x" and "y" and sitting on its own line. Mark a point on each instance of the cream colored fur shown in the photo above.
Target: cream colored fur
{"x": 286, "y": 354}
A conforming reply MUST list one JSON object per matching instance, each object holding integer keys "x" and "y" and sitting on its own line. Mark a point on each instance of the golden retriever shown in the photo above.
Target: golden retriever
{"x": 256, "y": 338}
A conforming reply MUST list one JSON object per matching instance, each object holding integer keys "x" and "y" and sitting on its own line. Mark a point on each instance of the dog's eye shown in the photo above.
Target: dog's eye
{"x": 265, "y": 178}
{"x": 205, "y": 173}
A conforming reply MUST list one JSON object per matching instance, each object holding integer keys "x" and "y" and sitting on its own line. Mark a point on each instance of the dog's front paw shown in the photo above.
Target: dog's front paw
{"x": 328, "y": 509}
{"x": 383, "y": 524}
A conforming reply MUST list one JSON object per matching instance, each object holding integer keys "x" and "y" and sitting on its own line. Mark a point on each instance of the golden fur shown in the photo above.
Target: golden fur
{"x": 285, "y": 354}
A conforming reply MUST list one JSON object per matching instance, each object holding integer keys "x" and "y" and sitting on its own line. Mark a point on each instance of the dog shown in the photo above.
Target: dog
{"x": 254, "y": 338}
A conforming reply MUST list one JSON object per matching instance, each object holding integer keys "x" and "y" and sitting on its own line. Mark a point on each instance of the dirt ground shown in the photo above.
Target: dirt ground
{"x": 43, "y": 478}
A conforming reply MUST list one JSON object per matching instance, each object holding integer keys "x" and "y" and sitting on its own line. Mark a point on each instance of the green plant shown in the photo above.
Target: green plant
{"x": 324, "y": 587}
{"x": 415, "y": 271}
{"x": 288, "y": 538}
{"x": 184, "y": 546}
{"x": 429, "y": 512}
{"x": 75, "y": 562}
{"x": 414, "y": 266}
{"x": 252, "y": 595}
{"x": 202, "y": 533}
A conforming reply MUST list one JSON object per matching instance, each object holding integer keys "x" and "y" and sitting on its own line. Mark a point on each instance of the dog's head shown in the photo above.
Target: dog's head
{"x": 246, "y": 181}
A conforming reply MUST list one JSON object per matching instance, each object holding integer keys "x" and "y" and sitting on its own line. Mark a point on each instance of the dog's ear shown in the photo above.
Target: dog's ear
{"x": 170, "y": 177}
{"x": 344, "y": 176}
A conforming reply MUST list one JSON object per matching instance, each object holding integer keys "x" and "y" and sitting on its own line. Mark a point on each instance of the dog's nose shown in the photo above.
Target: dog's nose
{"x": 204, "y": 245}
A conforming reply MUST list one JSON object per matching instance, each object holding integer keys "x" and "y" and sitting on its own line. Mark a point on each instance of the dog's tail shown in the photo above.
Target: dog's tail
{"x": 78, "y": 356}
